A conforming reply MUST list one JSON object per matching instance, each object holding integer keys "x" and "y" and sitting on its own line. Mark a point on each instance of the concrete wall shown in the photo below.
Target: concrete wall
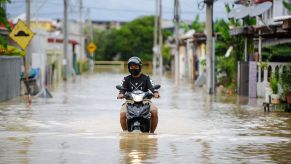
{"x": 10, "y": 69}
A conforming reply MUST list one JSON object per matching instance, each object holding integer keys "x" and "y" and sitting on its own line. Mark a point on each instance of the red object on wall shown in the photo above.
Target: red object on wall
{"x": 261, "y": 1}
{"x": 60, "y": 40}
{"x": 4, "y": 28}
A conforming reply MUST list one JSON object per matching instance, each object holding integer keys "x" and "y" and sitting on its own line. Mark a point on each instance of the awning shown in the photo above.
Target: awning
{"x": 3, "y": 27}
{"x": 61, "y": 40}
{"x": 244, "y": 31}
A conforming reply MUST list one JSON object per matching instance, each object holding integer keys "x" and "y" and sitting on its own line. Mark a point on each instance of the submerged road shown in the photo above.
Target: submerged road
{"x": 80, "y": 124}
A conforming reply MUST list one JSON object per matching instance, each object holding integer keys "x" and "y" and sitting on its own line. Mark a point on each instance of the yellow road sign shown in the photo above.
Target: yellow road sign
{"x": 21, "y": 34}
{"x": 91, "y": 47}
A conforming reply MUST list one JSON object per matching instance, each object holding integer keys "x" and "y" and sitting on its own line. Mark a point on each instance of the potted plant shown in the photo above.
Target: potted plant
{"x": 263, "y": 65}
{"x": 274, "y": 86}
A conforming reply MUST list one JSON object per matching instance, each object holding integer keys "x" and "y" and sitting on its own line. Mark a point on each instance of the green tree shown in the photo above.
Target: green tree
{"x": 227, "y": 66}
{"x": 197, "y": 25}
{"x": 102, "y": 41}
{"x": 287, "y": 5}
{"x": 133, "y": 39}
{"x": 4, "y": 21}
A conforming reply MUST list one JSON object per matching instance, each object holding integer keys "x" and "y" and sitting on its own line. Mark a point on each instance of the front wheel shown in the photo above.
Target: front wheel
{"x": 143, "y": 125}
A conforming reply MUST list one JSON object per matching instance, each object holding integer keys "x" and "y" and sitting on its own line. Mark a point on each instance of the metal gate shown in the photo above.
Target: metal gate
{"x": 243, "y": 86}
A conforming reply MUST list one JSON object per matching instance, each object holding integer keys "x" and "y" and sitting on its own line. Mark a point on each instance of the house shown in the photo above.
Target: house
{"x": 49, "y": 32}
{"x": 106, "y": 25}
{"x": 192, "y": 53}
{"x": 273, "y": 27}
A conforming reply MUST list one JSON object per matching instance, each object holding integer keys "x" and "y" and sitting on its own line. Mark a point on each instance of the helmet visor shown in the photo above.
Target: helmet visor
{"x": 134, "y": 66}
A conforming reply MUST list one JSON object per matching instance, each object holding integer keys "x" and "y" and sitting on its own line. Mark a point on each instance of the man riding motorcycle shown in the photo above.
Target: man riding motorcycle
{"x": 137, "y": 81}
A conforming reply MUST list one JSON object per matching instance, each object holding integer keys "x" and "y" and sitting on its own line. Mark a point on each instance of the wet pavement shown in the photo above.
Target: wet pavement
{"x": 80, "y": 124}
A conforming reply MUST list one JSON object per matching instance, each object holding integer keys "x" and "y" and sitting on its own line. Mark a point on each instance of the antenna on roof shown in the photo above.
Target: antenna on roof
{"x": 259, "y": 9}
{"x": 253, "y": 10}
{"x": 239, "y": 12}
{"x": 242, "y": 12}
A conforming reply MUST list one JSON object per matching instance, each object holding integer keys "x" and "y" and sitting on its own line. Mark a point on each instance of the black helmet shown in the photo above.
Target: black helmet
{"x": 134, "y": 60}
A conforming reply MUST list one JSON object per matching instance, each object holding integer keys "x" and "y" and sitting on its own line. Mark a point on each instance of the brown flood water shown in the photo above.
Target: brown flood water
{"x": 80, "y": 124}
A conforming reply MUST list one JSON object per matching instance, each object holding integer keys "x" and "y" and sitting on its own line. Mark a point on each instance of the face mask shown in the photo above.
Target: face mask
{"x": 134, "y": 72}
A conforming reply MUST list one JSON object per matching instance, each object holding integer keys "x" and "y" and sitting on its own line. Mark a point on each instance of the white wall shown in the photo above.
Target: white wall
{"x": 279, "y": 11}
{"x": 38, "y": 46}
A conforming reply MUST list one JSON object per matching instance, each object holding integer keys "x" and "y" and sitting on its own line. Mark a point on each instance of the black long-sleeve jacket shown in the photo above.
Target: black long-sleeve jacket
{"x": 143, "y": 83}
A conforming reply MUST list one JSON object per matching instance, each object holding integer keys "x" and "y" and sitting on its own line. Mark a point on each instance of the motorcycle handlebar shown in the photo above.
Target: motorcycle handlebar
{"x": 127, "y": 96}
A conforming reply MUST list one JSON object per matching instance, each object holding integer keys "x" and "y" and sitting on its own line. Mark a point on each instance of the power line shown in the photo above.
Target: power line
{"x": 73, "y": 6}
{"x": 73, "y": 9}
{"x": 138, "y": 11}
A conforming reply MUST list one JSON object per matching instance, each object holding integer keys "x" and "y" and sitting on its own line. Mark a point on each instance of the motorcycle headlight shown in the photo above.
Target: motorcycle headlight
{"x": 138, "y": 97}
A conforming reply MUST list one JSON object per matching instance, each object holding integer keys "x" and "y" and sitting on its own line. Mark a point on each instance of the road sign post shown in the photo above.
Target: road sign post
{"x": 22, "y": 35}
{"x": 91, "y": 47}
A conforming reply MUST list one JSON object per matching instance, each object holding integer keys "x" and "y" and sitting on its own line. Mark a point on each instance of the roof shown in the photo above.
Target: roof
{"x": 271, "y": 31}
{"x": 2, "y": 27}
{"x": 197, "y": 38}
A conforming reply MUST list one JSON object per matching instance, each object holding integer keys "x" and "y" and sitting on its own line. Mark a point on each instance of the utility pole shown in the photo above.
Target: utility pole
{"x": 90, "y": 35}
{"x": 65, "y": 30}
{"x": 155, "y": 39}
{"x": 91, "y": 26}
{"x": 177, "y": 22}
{"x": 81, "y": 27}
{"x": 27, "y": 58}
{"x": 209, "y": 48}
{"x": 160, "y": 40}
{"x": 28, "y": 55}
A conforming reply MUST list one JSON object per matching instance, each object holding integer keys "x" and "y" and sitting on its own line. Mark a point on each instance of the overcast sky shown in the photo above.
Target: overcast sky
{"x": 121, "y": 10}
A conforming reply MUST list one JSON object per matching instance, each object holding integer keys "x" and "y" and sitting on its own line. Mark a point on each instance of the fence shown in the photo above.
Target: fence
{"x": 122, "y": 64}
{"x": 265, "y": 74}
{"x": 10, "y": 69}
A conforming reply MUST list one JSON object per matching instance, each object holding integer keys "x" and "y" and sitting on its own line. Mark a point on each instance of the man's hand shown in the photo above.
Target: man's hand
{"x": 156, "y": 95}
{"x": 120, "y": 96}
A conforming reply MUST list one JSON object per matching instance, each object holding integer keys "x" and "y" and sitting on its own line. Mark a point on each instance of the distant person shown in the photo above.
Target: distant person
{"x": 256, "y": 57}
{"x": 137, "y": 81}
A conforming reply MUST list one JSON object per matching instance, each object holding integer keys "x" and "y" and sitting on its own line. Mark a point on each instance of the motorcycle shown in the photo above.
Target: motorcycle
{"x": 138, "y": 115}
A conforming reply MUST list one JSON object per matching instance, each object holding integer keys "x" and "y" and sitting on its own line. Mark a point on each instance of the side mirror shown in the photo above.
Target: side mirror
{"x": 148, "y": 95}
{"x": 119, "y": 87}
{"x": 156, "y": 86}
{"x": 127, "y": 96}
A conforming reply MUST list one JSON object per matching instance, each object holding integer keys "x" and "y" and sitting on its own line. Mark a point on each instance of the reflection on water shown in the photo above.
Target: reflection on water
{"x": 80, "y": 124}
{"x": 11, "y": 121}
{"x": 137, "y": 148}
